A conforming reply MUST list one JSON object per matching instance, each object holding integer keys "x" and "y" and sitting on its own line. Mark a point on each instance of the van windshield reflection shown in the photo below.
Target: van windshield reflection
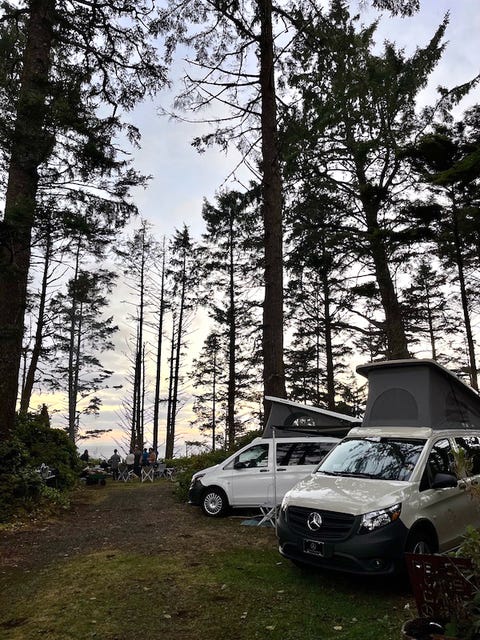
{"x": 379, "y": 458}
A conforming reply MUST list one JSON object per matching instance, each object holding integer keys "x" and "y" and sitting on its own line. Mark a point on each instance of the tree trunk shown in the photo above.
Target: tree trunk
{"x": 74, "y": 351}
{"x": 169, "y": 437}
{"x": 464, "y": 296}
{"x": 273, "y": 372}
{"x": 156, "y": 402}
{"x": 178, "y": 349}
{"x": 328, "y": 345}
{"x": 30, "y": 146}
{"x": 38, "y": 341}
{"x": 430, "y": 323}
{"x": 214, "y": 391}
{"x": 232, "y": 340}
{"x": 397, "y": 346}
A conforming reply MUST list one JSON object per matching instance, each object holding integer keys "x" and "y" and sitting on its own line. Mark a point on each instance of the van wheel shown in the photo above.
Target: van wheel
{"x": 420, "y": 542}
{"x": 214, "y": 502}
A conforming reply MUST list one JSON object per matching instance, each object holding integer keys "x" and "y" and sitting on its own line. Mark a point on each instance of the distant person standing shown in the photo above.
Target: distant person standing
{"x": 137, "y": 453}
{"x": 130, "y": 460}
{"x": 114, "y": 462}
{"x": 85, "y": 457}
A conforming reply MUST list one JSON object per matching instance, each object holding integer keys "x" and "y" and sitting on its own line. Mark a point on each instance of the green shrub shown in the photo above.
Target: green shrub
{"x": 34, "y": 443}
{"x": 14, "y": 475}
{"x": 51, "y": 447}
{"x": 186, "y": 467}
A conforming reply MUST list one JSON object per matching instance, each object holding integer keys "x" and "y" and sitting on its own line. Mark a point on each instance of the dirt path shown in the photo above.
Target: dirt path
{"x": 123, "y": 516}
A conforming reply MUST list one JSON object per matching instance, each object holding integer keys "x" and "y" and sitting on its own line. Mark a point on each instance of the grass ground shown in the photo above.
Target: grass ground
{"x": 127, "y": 561}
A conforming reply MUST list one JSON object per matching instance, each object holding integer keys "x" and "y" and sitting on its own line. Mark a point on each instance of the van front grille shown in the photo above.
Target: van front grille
{"x": 334, "y": 525}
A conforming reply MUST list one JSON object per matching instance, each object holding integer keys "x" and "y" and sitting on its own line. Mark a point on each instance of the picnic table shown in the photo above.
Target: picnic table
{"x": 94, "y": 475}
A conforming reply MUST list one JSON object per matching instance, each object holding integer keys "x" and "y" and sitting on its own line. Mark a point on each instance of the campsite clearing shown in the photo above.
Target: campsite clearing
{"x": 127, "y": 561}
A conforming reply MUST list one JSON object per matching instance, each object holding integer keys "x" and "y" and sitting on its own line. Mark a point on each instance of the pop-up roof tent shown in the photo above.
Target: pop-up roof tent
{"x": 292, "y": 418}
{"x": 418, "y": 393}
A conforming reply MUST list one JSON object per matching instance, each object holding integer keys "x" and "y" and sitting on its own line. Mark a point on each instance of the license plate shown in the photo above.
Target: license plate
{"x": 313, "y": 547}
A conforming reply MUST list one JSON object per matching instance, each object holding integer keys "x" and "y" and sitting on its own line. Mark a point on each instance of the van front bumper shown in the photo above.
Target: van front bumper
{"x": 379, "y": 552}
{"x": 195, "y": 492}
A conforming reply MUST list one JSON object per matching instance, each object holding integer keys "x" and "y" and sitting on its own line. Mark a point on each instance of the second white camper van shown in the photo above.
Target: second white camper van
{"x": 295, "y": 440}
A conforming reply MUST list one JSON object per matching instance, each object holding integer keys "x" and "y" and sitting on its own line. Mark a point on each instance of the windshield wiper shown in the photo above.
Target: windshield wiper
{"x": 351, "y": 474}
{"x": 329, "y": 473}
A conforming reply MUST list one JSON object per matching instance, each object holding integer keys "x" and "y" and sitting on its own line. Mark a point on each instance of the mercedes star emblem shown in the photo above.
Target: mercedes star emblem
{"x": 314, "y": 521}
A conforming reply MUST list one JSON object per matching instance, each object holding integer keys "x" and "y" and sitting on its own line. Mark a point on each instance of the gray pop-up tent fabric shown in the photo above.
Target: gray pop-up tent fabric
{"x": 418, "y": 393}
{"x": 292, "y": 418}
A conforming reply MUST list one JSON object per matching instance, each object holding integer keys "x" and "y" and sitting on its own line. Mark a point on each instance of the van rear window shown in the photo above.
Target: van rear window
{"x": 383, "y": 458}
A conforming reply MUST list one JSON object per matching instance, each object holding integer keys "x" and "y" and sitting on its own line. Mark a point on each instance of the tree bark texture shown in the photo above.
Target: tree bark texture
{"x": 30, "y": 146}
{"x": 273, "y": 372}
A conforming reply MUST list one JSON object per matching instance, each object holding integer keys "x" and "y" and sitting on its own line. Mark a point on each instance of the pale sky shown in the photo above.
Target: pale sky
{"x": 182, "y": 178}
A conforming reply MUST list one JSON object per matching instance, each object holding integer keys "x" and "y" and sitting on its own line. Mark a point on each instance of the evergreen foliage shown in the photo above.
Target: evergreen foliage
{"x": 356, "y": 110}
{"x": 79, "y": 68}
{"x": 34, "y": 443}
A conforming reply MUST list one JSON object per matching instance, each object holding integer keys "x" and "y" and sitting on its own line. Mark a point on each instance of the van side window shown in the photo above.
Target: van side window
{"x": 440, "y": 460}
{"x": 471, "y": 445}
{"x": 300, "y": 453}
{"x": 256, "y": 456}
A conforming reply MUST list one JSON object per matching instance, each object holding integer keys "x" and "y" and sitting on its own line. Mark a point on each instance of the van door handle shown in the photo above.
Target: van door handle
{"x": 278, "y": 469}
{"x": 264, "y": 470}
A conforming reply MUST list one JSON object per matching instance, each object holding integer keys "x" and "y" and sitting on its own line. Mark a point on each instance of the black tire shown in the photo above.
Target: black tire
{"x": 214, "y": 502}
{"x": 420, "y": 541}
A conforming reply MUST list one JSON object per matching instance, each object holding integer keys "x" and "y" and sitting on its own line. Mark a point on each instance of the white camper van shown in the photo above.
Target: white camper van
{"x": 295, "y": 440}
{"x": 392, "y": 484}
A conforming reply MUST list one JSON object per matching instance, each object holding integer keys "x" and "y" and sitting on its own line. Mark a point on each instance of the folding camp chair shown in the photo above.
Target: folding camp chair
{"x": 122, "y": 473}
{"x": 125, "y": 474}
{"x": 148, "y": 473}
{"x": 269, "y": 515}
{"x": 160, "y": 470}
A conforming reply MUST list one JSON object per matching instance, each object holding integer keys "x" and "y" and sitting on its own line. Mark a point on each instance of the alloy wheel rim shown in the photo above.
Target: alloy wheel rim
{"x": 213, "y": 503}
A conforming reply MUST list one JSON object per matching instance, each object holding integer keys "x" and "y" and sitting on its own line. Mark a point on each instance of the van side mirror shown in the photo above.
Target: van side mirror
{"x": 239, "y": 465}
{"x": 444, "y": 481}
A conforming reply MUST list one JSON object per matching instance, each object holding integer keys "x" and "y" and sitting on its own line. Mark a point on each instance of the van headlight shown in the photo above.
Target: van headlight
{"x": 195, "y": 479}
{"x": 377, "y": 519}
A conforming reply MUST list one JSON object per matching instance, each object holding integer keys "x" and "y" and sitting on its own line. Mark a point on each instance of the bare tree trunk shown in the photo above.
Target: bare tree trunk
{"x": 214, "y": 391}
{"x": 38, "y": 341}
{"x": 74, "y": 353}
{"x": 169, "y": 438}
{"x": 156, "y": 402}
{"x": 232, "y": 355}
{"x": 328, "y": 346}
{"x": 30, "y": 146}
{"x": 273, "y": 372}
{"x": 178, "y": 349}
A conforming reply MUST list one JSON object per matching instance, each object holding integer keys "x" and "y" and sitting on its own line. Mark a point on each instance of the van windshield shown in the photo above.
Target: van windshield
{"x": 383, "y": 458}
